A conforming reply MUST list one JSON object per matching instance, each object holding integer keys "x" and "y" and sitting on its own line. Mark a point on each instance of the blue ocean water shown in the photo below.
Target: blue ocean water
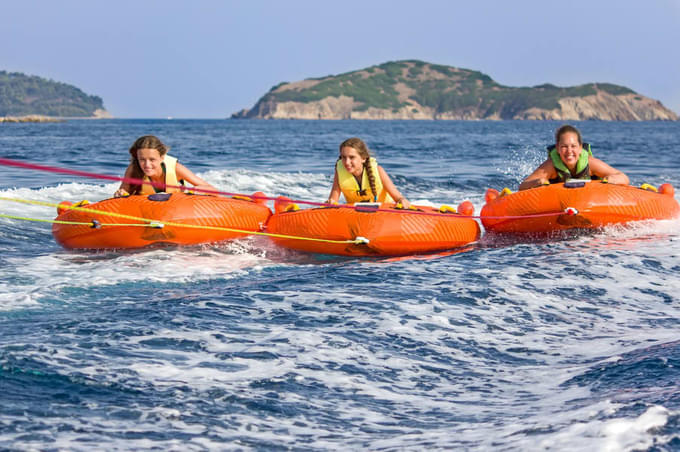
{"x": 563, "y": 344}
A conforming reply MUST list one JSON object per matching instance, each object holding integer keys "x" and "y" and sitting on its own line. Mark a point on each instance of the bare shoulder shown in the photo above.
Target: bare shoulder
{"x": 182, "y": 170}
{"x": 547, "y": 165}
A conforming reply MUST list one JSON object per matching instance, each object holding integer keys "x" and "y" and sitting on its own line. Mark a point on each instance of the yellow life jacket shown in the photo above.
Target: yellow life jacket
{"x": 353, "y": 192}
{"x": 169, "y": 165}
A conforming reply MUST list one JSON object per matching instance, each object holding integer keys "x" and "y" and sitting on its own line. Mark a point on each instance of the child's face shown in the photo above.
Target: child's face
{"x": 569, "y": 149}
{"x": 150, "y": 161}
{"x": 352, "y": 160}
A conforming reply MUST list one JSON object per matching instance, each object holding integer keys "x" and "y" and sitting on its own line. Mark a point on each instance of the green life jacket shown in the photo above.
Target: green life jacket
{"x": 563, "y": 173}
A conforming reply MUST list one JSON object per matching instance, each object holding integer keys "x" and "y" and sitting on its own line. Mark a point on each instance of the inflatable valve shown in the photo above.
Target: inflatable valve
{"x": 506, "y": 191}
{"x": 649, "y": 187}
{"x": 329, "y": 204}
{"x": 260, "y": 198}
{"x": 291, "y": 208}
{"x": 447, "y": 209}
{"x": 280, "y": 204}
{"x": 466, "y": 208}
{"x": 63, "y": 207}
{"x": 667, "y": 189}
{"x": 491, "y": 194}
{"x": 399, "y": 206}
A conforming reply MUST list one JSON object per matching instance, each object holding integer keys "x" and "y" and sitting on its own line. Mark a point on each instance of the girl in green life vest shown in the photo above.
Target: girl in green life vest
{"x": 149, "y": 161}
{"x": 569, "y": 160}
{"x": 360, "y": 179}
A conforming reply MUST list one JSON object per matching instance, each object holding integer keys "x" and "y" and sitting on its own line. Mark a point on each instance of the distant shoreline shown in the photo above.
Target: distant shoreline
{"x": 54, "y": 119}
{"x": 30, "y": 118}
{"x": 44, "y": 118}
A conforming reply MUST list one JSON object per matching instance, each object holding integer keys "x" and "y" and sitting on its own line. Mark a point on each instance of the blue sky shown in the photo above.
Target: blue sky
{"x": 208, "y": 59}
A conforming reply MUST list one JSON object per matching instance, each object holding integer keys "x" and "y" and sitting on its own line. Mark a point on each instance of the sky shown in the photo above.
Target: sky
{"x": 209, "y": 58}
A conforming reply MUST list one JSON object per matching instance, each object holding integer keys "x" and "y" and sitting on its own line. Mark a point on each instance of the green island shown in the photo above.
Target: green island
{"x": 31, "y": 98}
{"x": 415, "y": 89}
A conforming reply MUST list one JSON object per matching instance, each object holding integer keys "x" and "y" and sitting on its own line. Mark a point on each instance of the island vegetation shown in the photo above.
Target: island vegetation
{"x": 29, "y": 96}
{"x": 418, "y": 90}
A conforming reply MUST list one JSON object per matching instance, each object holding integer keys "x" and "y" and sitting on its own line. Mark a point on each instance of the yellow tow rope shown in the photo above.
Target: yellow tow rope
{"x": 158, "y": 223}
{"x": 14, "y": 217}
{"x": 83, "y": 223}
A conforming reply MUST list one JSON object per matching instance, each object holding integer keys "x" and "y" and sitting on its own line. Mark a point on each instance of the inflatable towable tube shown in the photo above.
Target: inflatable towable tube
{"x": 383, "y": 229}
{"x": 575, "y": 204}
{"x": 162, "y": 218}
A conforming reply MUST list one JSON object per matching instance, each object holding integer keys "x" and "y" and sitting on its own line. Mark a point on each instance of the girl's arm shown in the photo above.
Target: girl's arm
{"x": 335, "y": 191}
{"x": 124, "y": 189}
{"x": 391, "y": 189}
{"x": 184, "y": 173}
{"x": 602, "y": 170}
{"x": 540, "y": 176}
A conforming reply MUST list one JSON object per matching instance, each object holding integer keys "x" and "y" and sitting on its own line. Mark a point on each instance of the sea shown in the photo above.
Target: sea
{"x": 565, "y": 343}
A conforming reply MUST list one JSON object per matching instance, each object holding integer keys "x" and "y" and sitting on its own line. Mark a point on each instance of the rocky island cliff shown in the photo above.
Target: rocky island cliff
{"x": 418, "y": 90}
{"x": 32, "y": 98}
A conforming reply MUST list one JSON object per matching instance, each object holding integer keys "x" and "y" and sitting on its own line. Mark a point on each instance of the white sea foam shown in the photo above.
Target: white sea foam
{"x": 430, "y": 322}
{"x": 612, "y": 435}
{"x": 42, "y": 275}
{"x": 10, "y": 300}
{"x": 299, "y": 186}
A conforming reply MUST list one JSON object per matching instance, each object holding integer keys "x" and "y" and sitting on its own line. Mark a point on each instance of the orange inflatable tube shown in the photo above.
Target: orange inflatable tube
{"x": 575, "y": 204}
{"x": 388, "y": 231}
{"x": 213, "y": 217}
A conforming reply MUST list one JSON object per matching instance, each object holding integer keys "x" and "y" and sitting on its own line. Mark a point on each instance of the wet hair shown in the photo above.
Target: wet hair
{"x": 359, "y": 145}
{"x": 567, "y": 129}
{"x": 144, "y": 142}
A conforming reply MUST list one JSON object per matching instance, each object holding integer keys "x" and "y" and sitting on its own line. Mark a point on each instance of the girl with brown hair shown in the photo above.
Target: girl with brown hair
{"x": 150, "y": 162}
{"x": 571, "y": 158}
{"x": 360, "y": 179}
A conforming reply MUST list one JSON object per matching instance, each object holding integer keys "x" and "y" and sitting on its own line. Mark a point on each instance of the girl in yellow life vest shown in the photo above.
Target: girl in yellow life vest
{"x": 149, "y": 160}
{"x": 359, "y": 177}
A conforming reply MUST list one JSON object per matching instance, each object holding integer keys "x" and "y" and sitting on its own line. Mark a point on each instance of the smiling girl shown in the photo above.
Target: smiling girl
{"x": 149, "y": 161}
{"x": 569, "y": 160}
{"x": 360, "y": 179}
